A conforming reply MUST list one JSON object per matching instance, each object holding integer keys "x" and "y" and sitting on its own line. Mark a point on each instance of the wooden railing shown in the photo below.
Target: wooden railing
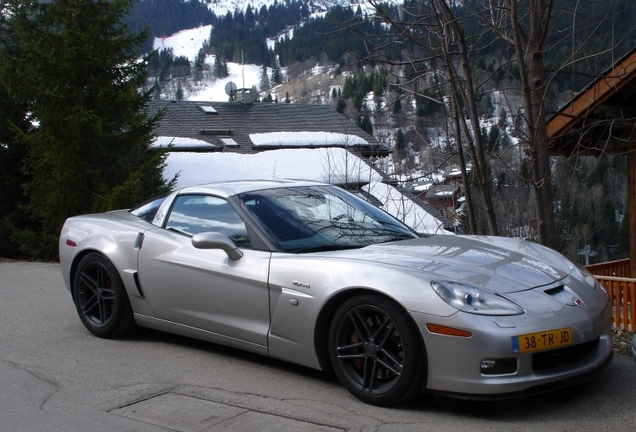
{"x": 618, "y": 268}
{"x": 621, "y": 289}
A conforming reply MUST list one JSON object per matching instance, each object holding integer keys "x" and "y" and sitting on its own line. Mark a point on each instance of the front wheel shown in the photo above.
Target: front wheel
{"x": 376, "y": 350}
{"x": 100, "y": 297}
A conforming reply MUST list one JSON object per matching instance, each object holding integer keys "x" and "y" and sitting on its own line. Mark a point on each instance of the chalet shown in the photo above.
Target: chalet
{"x": 601, "y": 118}
{"x": 216, "y": 141}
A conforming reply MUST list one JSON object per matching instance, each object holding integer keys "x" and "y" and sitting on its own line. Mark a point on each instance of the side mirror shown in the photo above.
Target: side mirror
{"x": 215, "y": 240}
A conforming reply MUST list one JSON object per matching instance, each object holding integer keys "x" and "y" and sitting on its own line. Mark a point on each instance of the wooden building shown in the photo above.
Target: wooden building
{"x": 602, "y": 119}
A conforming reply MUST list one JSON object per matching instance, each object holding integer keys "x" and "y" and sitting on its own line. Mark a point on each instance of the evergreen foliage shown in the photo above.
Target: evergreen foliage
{"x": 79, "y": 77}
{"x": 12, "y": 121}
{"x": 399, "y": 149}
{"x": 277, "y": 76}
{"x": 220, "y": 68}
{"x": 166, "y": 66}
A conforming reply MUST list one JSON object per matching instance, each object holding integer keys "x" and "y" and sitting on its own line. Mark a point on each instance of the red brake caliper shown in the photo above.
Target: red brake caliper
{"x": 354, "y": 340}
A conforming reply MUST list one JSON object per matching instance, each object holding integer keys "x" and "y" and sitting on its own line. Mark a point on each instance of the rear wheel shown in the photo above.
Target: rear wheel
{"x": 376, "y": 350}
{"x": 100, "y": 297}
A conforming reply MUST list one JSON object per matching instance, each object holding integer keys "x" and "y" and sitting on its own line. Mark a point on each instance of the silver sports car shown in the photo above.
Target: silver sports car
{"x": 309, "y": 273}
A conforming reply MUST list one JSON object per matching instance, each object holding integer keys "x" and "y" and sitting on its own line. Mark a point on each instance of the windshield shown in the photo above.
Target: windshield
{"x": 318, "y": 218}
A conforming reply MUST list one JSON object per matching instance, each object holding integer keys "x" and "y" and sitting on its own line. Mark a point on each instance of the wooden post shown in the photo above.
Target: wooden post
{"x": 631, "y": 203}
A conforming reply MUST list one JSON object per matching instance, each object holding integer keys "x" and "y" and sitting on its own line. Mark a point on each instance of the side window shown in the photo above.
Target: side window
{"x": 194, "y": 214}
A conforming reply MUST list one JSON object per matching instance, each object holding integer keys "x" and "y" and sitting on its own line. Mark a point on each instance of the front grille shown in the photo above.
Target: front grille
{"x": 550, "y": 359}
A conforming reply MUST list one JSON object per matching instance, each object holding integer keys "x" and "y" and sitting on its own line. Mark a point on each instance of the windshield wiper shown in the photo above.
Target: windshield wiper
{"x": 328, "y": 247}
{"x": 394, "y": 239}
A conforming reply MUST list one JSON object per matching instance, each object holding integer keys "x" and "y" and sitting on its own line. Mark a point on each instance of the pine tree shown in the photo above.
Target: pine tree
{"x": 80, "y": 72}
{"x": 179, "y": 95}
{"x": 277, "y": 77}
{"x": 220, "y": 68}
{"x": 11, "y": 178}
{"x": 399, "y": 149}
{"x": 397, "y": 106}
{"x": 265, "y": 86}
{"x": 341, "y": 105}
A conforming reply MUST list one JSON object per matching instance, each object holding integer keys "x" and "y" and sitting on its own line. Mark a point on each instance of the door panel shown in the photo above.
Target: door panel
{"x": 204, "y": 288}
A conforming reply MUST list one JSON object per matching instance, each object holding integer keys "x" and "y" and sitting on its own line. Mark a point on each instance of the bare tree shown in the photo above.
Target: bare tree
{"x": 526, "y": 34}
{"x": 435, "y": 43}
{"x": 442, "y": 38}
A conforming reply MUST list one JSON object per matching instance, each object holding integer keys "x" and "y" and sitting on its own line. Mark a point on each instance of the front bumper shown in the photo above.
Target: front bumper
{"x": 534, "y": 390}
{"x": 454, "y": 363}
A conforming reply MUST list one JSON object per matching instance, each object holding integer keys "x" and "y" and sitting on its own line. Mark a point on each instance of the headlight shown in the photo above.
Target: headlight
{"x": 468, "y": 298}
{"x": 585, "y": 275}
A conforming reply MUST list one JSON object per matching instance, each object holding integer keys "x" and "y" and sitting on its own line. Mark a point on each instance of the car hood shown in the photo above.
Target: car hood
{"x": 499, "y": 264}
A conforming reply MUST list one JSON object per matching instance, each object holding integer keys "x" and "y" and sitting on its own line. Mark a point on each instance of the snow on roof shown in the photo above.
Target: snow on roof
{"x": 165, "y": 141}
{"x": 330, "y": 165}
{"x": 422, "y": 187}
{"x": 306, "y": 139}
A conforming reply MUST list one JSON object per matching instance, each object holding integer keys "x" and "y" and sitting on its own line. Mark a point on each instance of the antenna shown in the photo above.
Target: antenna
{"x": 243, "y": 73}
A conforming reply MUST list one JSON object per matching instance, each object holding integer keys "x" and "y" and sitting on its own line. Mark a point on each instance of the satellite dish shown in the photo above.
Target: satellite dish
{"x": 230, "y": 89}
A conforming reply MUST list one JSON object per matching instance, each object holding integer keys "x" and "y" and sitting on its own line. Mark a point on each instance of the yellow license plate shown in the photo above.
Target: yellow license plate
{"x": 541, "y": 340}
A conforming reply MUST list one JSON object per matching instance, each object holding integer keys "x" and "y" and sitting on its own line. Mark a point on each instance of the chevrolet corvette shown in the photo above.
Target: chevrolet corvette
{"x": 311, "y": 274}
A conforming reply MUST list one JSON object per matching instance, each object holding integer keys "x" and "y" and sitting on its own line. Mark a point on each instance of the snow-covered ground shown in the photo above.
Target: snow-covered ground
{"x": 187, "y": 43}
{"x": 244, "y": 76}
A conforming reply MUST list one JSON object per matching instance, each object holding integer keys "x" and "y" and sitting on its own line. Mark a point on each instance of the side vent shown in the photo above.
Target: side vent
{"x": 139, "y": 241}
{"x": 136, "y": 278}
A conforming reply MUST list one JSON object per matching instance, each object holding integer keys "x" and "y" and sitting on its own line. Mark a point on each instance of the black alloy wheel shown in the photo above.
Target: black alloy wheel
{"x": 376, "y": 350}
{"x": 100, "y": 297}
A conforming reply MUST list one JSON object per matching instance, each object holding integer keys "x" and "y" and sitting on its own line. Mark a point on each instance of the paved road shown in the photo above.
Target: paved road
{"x": 55, "y": 376}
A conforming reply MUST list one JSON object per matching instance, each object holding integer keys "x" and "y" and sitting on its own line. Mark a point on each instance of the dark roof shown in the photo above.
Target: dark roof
{"x": 236, "y": 120}
{"x": 441, "y": 190}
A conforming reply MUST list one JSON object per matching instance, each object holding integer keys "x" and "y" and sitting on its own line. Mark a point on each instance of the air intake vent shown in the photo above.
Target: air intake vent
{"x": 553, "y": 291}
{"x": 547, "y": 360}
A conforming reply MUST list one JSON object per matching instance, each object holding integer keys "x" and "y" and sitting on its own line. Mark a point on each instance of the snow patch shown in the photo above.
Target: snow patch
{"x": 306, "y": 139}
{"x": 178, "y": 142}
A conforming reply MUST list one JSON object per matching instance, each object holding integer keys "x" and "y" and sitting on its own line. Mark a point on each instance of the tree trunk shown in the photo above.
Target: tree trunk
{"x": 450, "y": 29}
{"x": 529, "y": 53}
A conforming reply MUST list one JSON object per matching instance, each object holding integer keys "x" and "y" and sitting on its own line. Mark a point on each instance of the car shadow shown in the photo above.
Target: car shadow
{"x": 142, "y": 334}
{"x": 573, "y": 402}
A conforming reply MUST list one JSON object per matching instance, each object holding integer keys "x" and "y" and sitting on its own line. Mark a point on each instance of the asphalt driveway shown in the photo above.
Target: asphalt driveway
{"x": 54, "y": 376}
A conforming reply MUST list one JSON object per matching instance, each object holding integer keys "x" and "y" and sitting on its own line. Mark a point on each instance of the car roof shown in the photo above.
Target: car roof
{"x": 229, "y": 188}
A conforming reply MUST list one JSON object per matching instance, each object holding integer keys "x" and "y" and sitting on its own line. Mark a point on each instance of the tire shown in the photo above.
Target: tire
{"x": 376, "y": 350}
{"x": 100, "y": 298}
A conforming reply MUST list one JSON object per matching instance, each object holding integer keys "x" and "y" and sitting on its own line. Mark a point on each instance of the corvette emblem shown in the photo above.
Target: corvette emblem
{"x": 574, "y": 303}
{"x": 301, "y": 284}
